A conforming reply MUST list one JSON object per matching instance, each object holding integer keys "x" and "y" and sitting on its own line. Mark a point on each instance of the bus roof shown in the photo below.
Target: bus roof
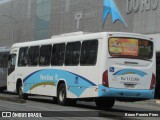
{"x": 71, "y": 38}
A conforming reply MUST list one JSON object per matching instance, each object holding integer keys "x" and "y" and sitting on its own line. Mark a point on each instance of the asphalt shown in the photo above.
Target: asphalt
{"x": 153, "y": 102}
{"x": 12, "y": 97}
{"x": 43, "y": 103}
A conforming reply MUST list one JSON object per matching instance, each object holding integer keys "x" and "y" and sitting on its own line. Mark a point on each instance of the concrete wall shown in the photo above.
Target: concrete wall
{"x": 20, "y": 20}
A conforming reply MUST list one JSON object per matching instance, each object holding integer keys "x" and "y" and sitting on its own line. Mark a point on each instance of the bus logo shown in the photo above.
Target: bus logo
{"x": 111, "y": 69}
{"x": 109, "y": 7}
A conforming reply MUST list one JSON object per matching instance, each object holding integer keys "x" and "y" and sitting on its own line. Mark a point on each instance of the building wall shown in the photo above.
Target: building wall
{"x": 27, "y": 20}
{"x": 17, "y": 19}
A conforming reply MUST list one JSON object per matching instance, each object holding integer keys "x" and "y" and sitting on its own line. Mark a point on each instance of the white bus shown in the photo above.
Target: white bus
{"x": 98, "y": 66}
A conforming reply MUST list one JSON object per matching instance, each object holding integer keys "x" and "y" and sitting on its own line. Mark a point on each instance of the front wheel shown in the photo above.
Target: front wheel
{"x": 105, "y": 103}
{"x": 20, "y": 92}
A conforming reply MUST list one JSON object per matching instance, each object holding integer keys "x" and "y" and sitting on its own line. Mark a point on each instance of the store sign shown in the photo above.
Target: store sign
{"x": 141, "y": 5}
{"x": 81, "y": 15}
{"x": 109, "y": 7}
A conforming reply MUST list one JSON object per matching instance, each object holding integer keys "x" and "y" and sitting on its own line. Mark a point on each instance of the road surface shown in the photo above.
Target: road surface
{"x": 81, "y": 111}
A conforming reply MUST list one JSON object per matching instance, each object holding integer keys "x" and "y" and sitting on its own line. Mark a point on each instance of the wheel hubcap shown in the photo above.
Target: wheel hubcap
{"x": 61, "y": 95}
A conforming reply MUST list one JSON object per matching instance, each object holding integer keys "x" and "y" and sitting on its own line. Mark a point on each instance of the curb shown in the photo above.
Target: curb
{"x": 12, "y": 99}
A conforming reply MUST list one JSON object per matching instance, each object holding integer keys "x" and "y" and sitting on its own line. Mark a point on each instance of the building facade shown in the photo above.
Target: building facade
{"x": 28, "y": 20}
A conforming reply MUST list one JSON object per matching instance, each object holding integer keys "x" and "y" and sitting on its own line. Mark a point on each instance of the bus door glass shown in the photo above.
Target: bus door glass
{"x": 11, "y": 63}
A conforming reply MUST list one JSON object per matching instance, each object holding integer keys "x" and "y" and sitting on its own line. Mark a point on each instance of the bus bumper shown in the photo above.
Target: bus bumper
{"x": 125, "y": 93}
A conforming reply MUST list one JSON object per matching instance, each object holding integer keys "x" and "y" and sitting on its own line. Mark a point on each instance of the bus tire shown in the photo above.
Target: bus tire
{"x": 61, "y": 94}
{"x": 20, "y": 91}
{"x": 105, "y": 103}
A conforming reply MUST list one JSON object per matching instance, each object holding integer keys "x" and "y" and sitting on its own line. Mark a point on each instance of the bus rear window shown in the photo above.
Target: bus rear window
{"x": 131, "y": 48}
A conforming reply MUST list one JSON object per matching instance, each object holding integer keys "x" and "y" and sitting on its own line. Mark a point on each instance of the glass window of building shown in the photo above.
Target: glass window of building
{"x": 42, "y": 20}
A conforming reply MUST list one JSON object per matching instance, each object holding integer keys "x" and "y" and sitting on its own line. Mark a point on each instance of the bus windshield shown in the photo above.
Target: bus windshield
{"x": 130, "y": 48}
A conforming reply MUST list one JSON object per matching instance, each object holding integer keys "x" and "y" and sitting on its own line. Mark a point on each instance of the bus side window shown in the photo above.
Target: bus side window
{"x": 45, "y": 55}
{"x": 23, "y": 56}
{"x": 33, "y": 57}
{"x": 58, "y": 52}
{"x": 72, "y": 53}
{"x": 89, "y": 52}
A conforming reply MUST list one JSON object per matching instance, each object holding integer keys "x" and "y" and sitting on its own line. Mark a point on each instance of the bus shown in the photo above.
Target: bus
{"x": 4, "y": 53}
{"x": 157, "y": 88}
{"x": 98, "y": 67}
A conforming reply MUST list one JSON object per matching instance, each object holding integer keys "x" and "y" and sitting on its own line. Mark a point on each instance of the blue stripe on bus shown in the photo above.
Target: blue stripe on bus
{"x": 130, "y": 71}
{"x": 125, "y": 93}
{"x": 30, "y": 75}
{"x": 77, "y": 84}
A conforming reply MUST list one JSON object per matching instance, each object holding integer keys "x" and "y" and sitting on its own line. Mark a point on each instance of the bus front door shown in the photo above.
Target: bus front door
{"x": 11, "y": 64}
{"x": 11, "y": 73}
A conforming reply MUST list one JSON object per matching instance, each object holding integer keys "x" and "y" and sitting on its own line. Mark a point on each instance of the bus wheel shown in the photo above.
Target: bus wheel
{"x": 61, "y": 94}
{"x": 20, "y": 92}
{"x": 105, "y": 103}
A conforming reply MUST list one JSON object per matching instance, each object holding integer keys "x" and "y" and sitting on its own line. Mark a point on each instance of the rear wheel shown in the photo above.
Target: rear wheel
{"x": 62, "y": 97}
{"x": 105, "y": 103}
{"x": 20, "y": 91}
{"x": 61, "y": 94}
